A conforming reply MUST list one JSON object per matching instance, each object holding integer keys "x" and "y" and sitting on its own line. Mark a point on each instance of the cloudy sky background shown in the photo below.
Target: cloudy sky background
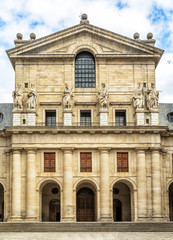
{"x": 125, "y": 17}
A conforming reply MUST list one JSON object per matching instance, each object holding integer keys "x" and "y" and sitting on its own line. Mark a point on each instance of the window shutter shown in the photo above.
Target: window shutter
{"x": 86, "y": 162}
{"x": 49, "y": 162}
{"x": 122, "y": 162}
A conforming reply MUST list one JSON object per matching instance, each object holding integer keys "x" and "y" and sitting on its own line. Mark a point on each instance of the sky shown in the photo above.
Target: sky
{"x": 124, "y": 17}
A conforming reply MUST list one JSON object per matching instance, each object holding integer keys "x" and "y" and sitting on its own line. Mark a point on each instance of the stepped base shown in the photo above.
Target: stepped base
{"x": 87, "y": 227}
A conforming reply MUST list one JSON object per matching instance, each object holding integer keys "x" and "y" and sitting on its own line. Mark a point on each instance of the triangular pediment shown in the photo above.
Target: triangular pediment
{"x": 84, "y": 36}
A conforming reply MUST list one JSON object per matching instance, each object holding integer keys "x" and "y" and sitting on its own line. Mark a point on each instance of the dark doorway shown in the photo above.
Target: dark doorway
{"x": 54, "y": 210}
{"x": 85, "y": 205}
{"x": 117, "y": 206}
{"x": 171, "y": 202}
{"x": 121, "y": 202}
{"x": 1, "y": 203}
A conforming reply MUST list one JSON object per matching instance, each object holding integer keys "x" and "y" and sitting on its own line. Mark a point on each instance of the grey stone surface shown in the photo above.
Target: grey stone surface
{"x": 164, "y": 109}
{"x": 6, "y": 110}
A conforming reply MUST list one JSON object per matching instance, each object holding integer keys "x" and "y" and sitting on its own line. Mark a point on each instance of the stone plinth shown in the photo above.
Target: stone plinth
{"x": 140, "y": 117}
{"x": 67, "y": 117}
{"x": 31, "y": 117}
{"x": 16, "y": 117}
{"x": 103, "y": 117}
{"x": 154, "y": 118}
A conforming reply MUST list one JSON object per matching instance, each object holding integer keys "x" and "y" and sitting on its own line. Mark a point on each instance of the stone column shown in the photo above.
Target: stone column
{"x": 16, "y": 186}
{"x": 30, "y": 185}
{"x": 105, "y": 198}
{"x": 156, "y": 186}
{"x": 7, "y": 193}
{"x": 68, "y": 205}
{"x": 141, "y": 185}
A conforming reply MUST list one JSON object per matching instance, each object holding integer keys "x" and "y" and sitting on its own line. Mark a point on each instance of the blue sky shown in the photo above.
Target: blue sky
{"x": 121, "y": 16}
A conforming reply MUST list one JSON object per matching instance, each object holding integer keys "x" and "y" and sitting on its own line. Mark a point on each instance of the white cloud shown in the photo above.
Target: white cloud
{"x": 53, "y": 15}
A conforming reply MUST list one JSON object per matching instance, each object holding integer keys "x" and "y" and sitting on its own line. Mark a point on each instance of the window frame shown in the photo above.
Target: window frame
{"x": 1, "y": 117}
{"x": 86, "y": 168}
{"x": 54, "y": 167}
{"x": 119, "y": 169}
{"x": 88, "y": 70}
{"x": 85, "y": 111}
{"x": 121, "y": 111}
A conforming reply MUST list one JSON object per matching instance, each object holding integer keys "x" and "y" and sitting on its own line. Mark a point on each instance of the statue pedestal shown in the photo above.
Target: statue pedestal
{"x": 140, "y": 118}
{"x": 16, "y": 117}
{"x": 31, "y": 117}
{"x": 103, "y": 117}
{"x": 154, "y": 117}
{"x": 67, "y": 117}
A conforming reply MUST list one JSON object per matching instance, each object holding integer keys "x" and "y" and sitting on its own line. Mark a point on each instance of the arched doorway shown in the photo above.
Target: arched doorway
{"x": 51, "y": 203}
{"x": 121, "y": 202}
{"x": 85, "y": 205}
{"x": 171, "y": 202}
{"x": 1, "y": 203}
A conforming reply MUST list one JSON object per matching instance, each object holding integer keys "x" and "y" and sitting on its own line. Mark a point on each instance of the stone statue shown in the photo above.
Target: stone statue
{"x": 138, "y": 97}
{"x": 67, "y": 95}
{"x": 103, "y": 96}
{"x": 32, "y": 99}
{"x": 18, "y": 98}
{"x": 152, "y": 98}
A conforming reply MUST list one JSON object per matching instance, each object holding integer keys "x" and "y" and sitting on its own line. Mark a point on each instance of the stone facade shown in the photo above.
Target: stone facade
{"x": 136, "y": 192}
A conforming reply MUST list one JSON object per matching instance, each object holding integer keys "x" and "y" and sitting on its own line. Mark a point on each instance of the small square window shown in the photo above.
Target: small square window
{"x": 120, "y": 118}
{"x": 50, "y": 118}
{"x": 85, "y": 118}
{"x": 144, "y": 85}
{"x": 1, "y": 117}
{"x": 26, "y": 85}
{"x": 147, "y": 121}
{"x": 24, "y": 121}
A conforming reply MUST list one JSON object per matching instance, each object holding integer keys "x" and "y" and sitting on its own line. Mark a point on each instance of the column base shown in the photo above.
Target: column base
{"x": 68, "y": 219}
{"x": 31, "y": 219}
{"x": 157, "y": 219}
{"x": 105, "y": 219}
{"x": 15, "y": 219}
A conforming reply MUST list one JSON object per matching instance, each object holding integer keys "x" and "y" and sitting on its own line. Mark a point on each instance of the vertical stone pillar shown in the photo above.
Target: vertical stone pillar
{"x": 105, "y": 198}
{"x": 156, "y": 186}
{"x": 16, "y": 186}
{"x": 30, "y": 185}
{"x": 141, "y": 185}
{"x": 68, "y": 205}
{"x": 7, "y": 195}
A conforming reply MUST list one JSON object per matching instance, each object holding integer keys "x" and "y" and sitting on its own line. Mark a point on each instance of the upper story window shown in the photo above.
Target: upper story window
{"x": 85, "y": 70}
{"x": 170, "y": 117}
{"x": 50, "y": 118}
{"x": 122, "y": 162}
{"x": 49, "y": 162}
{"x": 85, "y": 118}
{"x": 86, "y": 162}
{"x": 1, "y": 117}
{"x": 120, "y": 118}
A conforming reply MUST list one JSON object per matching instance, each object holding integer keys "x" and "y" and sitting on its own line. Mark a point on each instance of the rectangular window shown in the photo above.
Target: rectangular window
{"x": 85, "y": 118}
{"x": 122, "y": 162}
{"x": 120, "y": 118}
{"x": 49, "y": 162}
{"x": 50, "y": 118}
{"x": 86, "y": 162}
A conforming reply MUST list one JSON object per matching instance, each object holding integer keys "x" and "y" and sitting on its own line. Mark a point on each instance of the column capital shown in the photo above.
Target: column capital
{"x": 67, "y": 149}
{"x": 104, "y": 149}
{"x": 155, "y": 149}
{"x": 16, "y": 150}
{"x": 141, "y": 149}
{"x": 30, "y": 150}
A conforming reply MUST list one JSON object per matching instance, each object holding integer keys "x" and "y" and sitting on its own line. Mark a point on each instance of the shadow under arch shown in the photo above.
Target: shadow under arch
{"x": 123, "y": 199}
{"x": 2, "y": 190}
{"x": 170, "y": 196}
{"x": 50, "y": 200}
{"x": 86, "y": 200}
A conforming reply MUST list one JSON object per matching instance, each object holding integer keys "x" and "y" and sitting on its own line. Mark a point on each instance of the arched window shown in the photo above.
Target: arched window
{"x": 85, "y": 70}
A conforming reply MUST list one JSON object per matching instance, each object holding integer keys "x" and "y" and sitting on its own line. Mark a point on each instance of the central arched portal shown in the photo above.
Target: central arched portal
{"x": 85, "y": 205}
{"x": 121, "y": 202}
{"x": 51, "y": 203}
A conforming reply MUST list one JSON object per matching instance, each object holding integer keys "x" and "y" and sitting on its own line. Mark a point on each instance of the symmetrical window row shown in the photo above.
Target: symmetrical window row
{"x": 85, "y": 118}
{"x": 86, "y": 162}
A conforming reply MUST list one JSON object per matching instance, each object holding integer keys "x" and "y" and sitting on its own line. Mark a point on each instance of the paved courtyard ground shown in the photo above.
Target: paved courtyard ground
{"x": 86, "y": 236}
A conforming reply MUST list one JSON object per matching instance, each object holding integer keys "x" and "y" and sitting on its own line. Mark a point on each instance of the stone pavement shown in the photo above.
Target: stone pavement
{"x": 86, "y": 236}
